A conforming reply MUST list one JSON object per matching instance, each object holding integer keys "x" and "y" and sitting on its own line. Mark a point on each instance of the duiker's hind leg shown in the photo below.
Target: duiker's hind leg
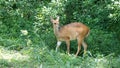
{"x": 79, "y": 45}
{"x": 84, "y": 46}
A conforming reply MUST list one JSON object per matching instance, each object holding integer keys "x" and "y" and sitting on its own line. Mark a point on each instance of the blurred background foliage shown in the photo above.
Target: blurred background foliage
{"x": 102, "y": 17}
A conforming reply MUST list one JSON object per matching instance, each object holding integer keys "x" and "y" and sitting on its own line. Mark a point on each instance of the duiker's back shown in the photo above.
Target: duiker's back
{"x": 73, "y": 30}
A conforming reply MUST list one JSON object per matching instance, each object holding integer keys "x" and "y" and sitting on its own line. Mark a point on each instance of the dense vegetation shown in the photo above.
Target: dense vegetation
{"x": 27, "y": 39}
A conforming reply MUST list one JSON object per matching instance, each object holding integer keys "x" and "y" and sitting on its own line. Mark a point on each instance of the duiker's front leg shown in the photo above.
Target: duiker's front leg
{"x": 58, "y": 45}
{"x": 68, "y": 46}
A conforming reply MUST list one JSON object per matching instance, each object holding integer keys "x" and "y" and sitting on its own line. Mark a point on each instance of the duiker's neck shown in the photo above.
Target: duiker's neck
{"x": 56, "y": 30}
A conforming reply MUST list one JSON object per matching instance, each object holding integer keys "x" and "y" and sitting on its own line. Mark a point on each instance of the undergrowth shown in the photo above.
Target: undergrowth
{"x": 51, "y": 59}
{"x": 42, "y": 57}
{"x": 40, "y": 53}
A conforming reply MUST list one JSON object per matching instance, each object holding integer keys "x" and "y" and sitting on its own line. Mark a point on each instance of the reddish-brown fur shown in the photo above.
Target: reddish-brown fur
{"x": 69, "y": 32}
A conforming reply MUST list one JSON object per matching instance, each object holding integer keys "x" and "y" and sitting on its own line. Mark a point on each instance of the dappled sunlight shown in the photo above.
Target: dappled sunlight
{"x": 101, "y": 62}
{"x": 12, "y": 55}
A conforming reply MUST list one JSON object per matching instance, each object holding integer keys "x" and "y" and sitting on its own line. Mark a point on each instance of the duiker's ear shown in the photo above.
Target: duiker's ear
{"x": 58, "y": 18}
{"x": 51, "y": 19}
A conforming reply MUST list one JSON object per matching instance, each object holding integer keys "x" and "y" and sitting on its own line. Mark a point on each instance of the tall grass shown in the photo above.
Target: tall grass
{"x": 41, "y": 53}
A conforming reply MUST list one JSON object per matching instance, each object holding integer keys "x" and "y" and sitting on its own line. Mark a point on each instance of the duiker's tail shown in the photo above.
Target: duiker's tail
{"x": 88, "y": 33}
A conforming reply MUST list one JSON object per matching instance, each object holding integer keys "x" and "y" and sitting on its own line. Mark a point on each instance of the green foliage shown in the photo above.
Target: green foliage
{"x": 102, "y": 42}
{"x": 104, "y": 14}
{"x": 4, "y": 63}
{"x": 25, "y": 27}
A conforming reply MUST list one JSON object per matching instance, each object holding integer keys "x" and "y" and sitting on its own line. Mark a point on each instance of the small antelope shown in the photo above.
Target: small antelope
{"x": 69, "y": 32}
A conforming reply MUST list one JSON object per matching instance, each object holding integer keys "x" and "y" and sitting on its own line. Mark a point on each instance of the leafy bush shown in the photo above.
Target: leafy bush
{"x": 39, "y": 42}
{"x": 102, "y": 42}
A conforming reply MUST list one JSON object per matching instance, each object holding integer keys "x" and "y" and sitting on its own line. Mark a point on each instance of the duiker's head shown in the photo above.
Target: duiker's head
{"x": 55, "y": 22}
